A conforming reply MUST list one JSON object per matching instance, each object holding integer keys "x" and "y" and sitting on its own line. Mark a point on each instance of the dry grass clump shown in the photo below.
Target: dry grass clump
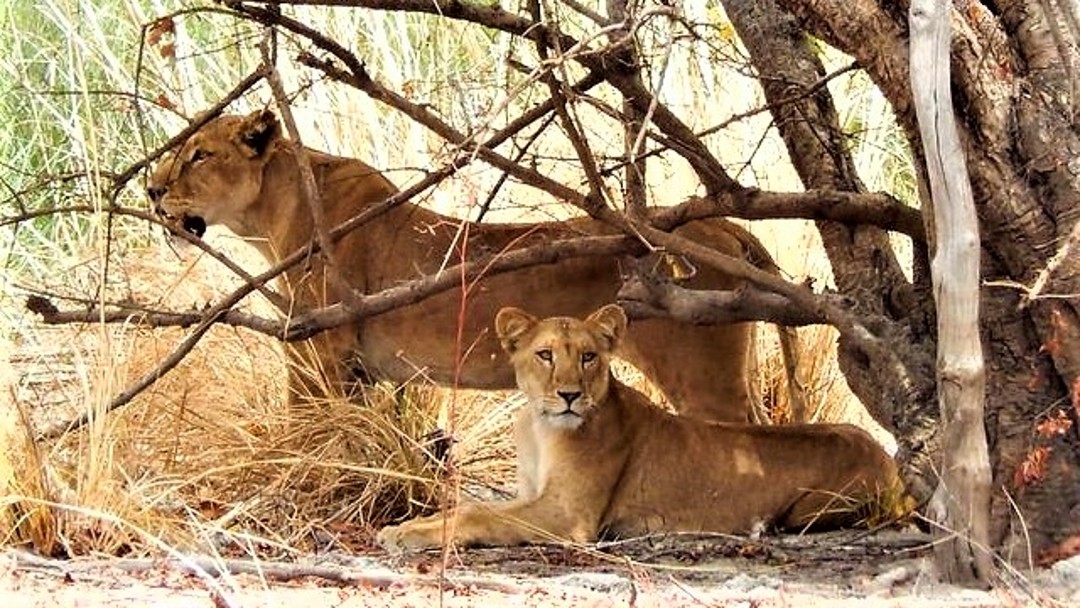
{"x": 211, "y": 456}
{"x": 22, "y": 519}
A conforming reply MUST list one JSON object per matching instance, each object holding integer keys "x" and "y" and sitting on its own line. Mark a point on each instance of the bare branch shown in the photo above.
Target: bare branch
{"x": 236, "y": 93}
{"x": 309, "y": 323}
{"x": 635, "y": 129}
{"x": 595, "y": 198}
{"x": 129, "y": 393}
{"x": 645, "y": 296}
{"x": 961, "y": 502}
{"x": 851, "y": 328}
{"x": 362, "y": 81}
{"x": 309, "y": 191}
{"x": 274, "y": 297}
{"x": 875, "y": 209}
{"x": 684, "y": 141}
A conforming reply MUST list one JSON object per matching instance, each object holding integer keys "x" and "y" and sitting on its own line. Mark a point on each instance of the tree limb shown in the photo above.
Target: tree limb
{"x": 878, "y": 209}
{"x": 687, "y": 144}
{"x": 882, "y": 357}
{"x": 647, "y": 296}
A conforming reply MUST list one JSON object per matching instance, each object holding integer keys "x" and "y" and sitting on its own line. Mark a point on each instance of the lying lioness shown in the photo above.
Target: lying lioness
{"x": 595, "y": 456}
{"x": 240, "y": 172}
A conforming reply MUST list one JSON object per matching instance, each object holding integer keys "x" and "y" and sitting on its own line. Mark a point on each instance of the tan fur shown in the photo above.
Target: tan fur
{"x": 595, "y": 456}
{"x": 238, "y": 171}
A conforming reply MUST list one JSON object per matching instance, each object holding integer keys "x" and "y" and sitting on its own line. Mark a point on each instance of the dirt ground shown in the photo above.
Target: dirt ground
{"x": 841, "y": 569}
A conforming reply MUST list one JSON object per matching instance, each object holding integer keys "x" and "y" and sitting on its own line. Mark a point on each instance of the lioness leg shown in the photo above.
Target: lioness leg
{"x": 826, "y": 510}
{"x": 504, "y": 524}
{"x": 683, "y": 361}
{"x": 321, "y": 368}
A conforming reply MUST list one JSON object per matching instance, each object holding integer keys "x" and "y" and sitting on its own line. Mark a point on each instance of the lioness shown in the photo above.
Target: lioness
{"x": 241, "y": 172}
{"x": 595, "y": 456}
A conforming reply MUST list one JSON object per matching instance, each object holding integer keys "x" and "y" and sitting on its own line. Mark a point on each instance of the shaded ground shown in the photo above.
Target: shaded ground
{"x": 837, "y": 569}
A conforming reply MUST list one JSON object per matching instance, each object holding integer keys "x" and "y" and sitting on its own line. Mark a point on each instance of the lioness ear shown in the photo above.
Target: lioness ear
{"x": 510, "y": 324}
{"x": 611, "y": 321}
{"x": 257, "y": 131}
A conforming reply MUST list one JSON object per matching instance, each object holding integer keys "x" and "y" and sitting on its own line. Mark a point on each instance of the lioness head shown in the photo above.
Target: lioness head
{"x": 216, "y": 174}
{"x": 562, "y": 364}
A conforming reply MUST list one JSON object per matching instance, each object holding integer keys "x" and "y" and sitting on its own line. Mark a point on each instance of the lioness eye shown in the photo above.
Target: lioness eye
{"x": 544, "y": 354}
{"x": 199, "y": 155}
{"x": 588, "y": 357}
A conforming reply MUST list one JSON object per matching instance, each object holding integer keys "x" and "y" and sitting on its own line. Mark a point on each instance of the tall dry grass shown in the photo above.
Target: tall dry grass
{"x": 209, "y": 458}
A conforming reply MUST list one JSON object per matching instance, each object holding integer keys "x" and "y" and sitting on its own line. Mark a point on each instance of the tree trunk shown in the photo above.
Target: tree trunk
{"x": 864, "y": 265}
{"x": 1020, "y": 142}
{"x": 961, "y": 503}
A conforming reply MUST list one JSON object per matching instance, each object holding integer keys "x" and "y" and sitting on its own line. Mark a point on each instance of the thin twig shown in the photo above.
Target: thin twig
{"x": 595, "y": 199}
{"x": 268, "y": 570}
{"x": 237, "y": 92}
{"x": 309, "y": 190}
{"x": 484, "y": 151}
{"x": 274, "y": 297}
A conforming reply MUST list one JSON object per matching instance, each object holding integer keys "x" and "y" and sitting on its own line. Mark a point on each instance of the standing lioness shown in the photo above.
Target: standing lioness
{"x": 594, "y": 455}
{"x": 240, "y": 172}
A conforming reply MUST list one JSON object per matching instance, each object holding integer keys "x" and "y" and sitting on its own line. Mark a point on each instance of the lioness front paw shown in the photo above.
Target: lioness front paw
{"x": 408, "y": 536}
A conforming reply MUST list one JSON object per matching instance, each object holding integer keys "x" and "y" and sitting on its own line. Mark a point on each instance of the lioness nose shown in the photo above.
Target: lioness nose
{"x": 155, "y": 193}
{"x": 569, "y": 396}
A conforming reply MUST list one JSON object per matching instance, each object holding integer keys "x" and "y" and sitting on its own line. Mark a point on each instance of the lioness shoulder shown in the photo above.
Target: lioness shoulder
{"x": 596, "y": 457}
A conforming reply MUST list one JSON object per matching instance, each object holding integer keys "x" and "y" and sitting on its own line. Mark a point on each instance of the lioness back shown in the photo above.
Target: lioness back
{"x": 595, "y": 456}
{"x": 686, "y": 476}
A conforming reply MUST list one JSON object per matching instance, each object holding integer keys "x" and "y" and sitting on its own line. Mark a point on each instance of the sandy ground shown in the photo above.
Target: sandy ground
{"x": 841, "y": 570}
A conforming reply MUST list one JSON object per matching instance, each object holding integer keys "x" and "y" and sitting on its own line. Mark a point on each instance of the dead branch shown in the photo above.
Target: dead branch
{"x": 856, "y": 208}
{"x": 851, "y": 328}
{"x": 961, "y": 503}
{"x": 595, "y": 198}
{"x": 877, "y": 209}
{"x": 749, "y": 303}
{"x": 171, "y": 361}
{"x": 635, "y": 197}
{"x": 363, "y": 82}
{"x": 202, "y": 565}
{"x": 646, "y": 296}
{"x": 685, "y": 142}
{"x": 309, "y": 191}
{"x": 1065, "y": 252}
{"x": 308, "y": 323}
{"x": 119, "y": 312}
